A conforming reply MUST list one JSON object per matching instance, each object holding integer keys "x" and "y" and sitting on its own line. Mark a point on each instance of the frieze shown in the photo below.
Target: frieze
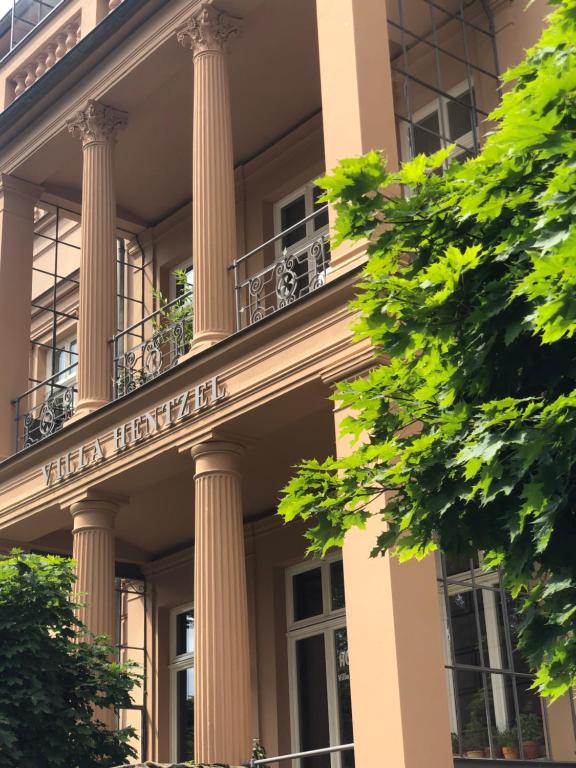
{"x": 177, "y": 409}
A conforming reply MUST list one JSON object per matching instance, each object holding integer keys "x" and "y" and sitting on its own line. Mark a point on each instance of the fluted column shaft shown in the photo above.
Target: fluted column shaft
{"x": 96, "y": 125}
{"x": 222, "y": 729}
{"x": 213, "y": 206}
{"x": 93, "y": 552}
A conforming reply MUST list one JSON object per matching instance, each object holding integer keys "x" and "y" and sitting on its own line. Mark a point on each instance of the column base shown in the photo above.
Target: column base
{"x": 344, "y": 259}
{"x": 85, "y": 407}
{"x": 205, "y": 341}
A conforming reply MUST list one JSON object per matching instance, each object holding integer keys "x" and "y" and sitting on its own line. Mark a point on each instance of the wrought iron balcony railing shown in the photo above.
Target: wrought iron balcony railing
{"x": 274, "y": 274}
{"x": 44, "y": 408}
{"x": 309, "y": 754}
{"x": 152, "y": 345}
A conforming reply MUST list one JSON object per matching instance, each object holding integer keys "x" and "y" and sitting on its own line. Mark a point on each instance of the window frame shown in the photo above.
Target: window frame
{"x": 307, "y": 192}
{"x": 177, "y": 663}
{"x": 188, "y": 266}
{"x": 440, "y": 106}
{"x": 64, "y": 344}
{"x": 489, "y": 584}
{"x": 325, "y": 624}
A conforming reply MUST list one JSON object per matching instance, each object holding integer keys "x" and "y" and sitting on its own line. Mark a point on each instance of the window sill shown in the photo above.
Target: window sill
{"x": 489, "y": 762}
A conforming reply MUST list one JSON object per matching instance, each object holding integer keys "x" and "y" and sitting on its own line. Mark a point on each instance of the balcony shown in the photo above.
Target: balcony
{"x": 282, "y": 270}
{"x": 44, "y": 408}
{"x": 152, "y": 345}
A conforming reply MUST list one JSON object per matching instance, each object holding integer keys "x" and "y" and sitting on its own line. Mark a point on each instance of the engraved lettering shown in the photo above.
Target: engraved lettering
{"x": 119, "y": 438}
{"x": 47, "y": 472}
{"x": 98, "y": 452}
{"x": 218, "y": 390}
{"x": 183, "y": 409}
{"x": 200, "y": 397}
{"x": 151, "y": 418}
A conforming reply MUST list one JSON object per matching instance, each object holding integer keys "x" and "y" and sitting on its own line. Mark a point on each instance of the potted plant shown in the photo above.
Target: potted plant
{"x": 508, "y": 741}
{"x": 531, "y": 728}
{"x": 455, "y": 743}
{"x": 475, "y": 733}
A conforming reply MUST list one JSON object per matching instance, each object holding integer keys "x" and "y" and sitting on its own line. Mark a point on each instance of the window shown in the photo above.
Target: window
{"x": 182, "y": 683}
{"x": 177, "y": 289}
{"x": 446, "y": 120}
{"x": 321, "y": 713}
{"x": 64, "y": 356}
{"x": 491, "y": 704}
{"x": 305, "y": 248}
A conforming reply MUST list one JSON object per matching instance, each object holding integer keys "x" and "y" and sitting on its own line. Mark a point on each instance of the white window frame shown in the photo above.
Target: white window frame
{"x": 440, "y": 106}
{"x": 326, "y": 624}
{"x": 307, "y": 192}
{"x": 69, "y": 379}
{"x": 178, "y": 663}
{"x": 186, "y": 264}
{"x": 481, "y": 579}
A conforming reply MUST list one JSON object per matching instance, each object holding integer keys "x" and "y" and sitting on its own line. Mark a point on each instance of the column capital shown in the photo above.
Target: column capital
{"x": 208, "y": 30}
{"x": 97, "y": 123}
{"x": 217, "y": 456}
{"x": 94, "y": 514}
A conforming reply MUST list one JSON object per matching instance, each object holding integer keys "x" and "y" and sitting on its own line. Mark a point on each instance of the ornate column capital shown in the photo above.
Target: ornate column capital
{"x": 97, "y": 123}
{"x": 208, "y": 30}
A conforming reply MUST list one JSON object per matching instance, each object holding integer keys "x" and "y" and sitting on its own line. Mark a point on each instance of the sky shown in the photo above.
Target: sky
{"x": 5, "y": 5}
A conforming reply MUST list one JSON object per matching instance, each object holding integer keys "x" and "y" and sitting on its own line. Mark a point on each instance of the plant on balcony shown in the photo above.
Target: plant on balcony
{"x": 52, "y": 683}
{"x": 508, "y": 741}
{"x": 475, "y": 732}
{"x": 180, "y": 313}
{"x": 469, "y": 301}
{"x": 532, "y": 735}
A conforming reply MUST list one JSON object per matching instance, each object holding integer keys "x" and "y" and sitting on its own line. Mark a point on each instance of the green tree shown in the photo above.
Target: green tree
{"x": 469, "y": 300}
{"x": 51, "y": 683}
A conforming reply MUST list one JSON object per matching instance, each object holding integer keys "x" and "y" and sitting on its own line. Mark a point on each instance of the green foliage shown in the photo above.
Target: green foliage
{"x": 52, "y": 683}
{"x": 179, "y": 312}
{"x": 475, "y": 732}
{"x": 531, "y": 727}
{"x": 469, "y": 296}
{"x": 508, "y": 738}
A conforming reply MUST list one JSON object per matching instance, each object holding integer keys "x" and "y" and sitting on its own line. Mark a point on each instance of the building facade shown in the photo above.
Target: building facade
{"x": 172, "y": 324}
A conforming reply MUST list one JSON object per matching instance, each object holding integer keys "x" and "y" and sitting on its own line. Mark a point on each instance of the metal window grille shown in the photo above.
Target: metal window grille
{"x": 490, "y": 696}
{"x": 50, "y": 399}
{"x": 131, "y": 607}
{"x": 445, "y": 73}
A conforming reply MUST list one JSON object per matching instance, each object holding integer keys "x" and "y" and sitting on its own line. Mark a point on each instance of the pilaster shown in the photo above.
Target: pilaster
{"x": 357, "y": 98}
{"x": 222, "y": 728}
{"x": 213, "y": 206}
{"x": 96, "y": 126}
{"x": 400, "y": 701}
{"x": 17, "y": 200}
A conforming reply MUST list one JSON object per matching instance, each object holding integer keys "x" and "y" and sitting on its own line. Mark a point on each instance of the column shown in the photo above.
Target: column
{"x": 17, "y": 199}
{"x": 96, "y": 125}
{"x": 93, "y": 11}
{"x": 93, "y": 551}
{"x": 222, "y": 727}
{"x": 213, "y": 208}
{"x": 397, "y": 675}
{"x": 357, "y": 98}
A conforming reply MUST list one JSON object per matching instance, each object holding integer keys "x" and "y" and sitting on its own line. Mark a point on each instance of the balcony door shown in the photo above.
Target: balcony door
{"x": 321, "y": 713}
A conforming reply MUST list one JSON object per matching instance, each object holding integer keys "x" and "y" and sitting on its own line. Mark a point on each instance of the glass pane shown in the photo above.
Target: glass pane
{"x": 321, "y": 220}
{"x": 185, "y": 714}
{"x": 307, "y": 589}
{"x": 344, "y": 701}
{"x": 460, "y": 115}
{"x": 427, "y": 134}
{"x": 291, "y": 214}
{"x": 312, "y": 699}
{"x": 337, "y": 585}
{"x": 184, "y": 633}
